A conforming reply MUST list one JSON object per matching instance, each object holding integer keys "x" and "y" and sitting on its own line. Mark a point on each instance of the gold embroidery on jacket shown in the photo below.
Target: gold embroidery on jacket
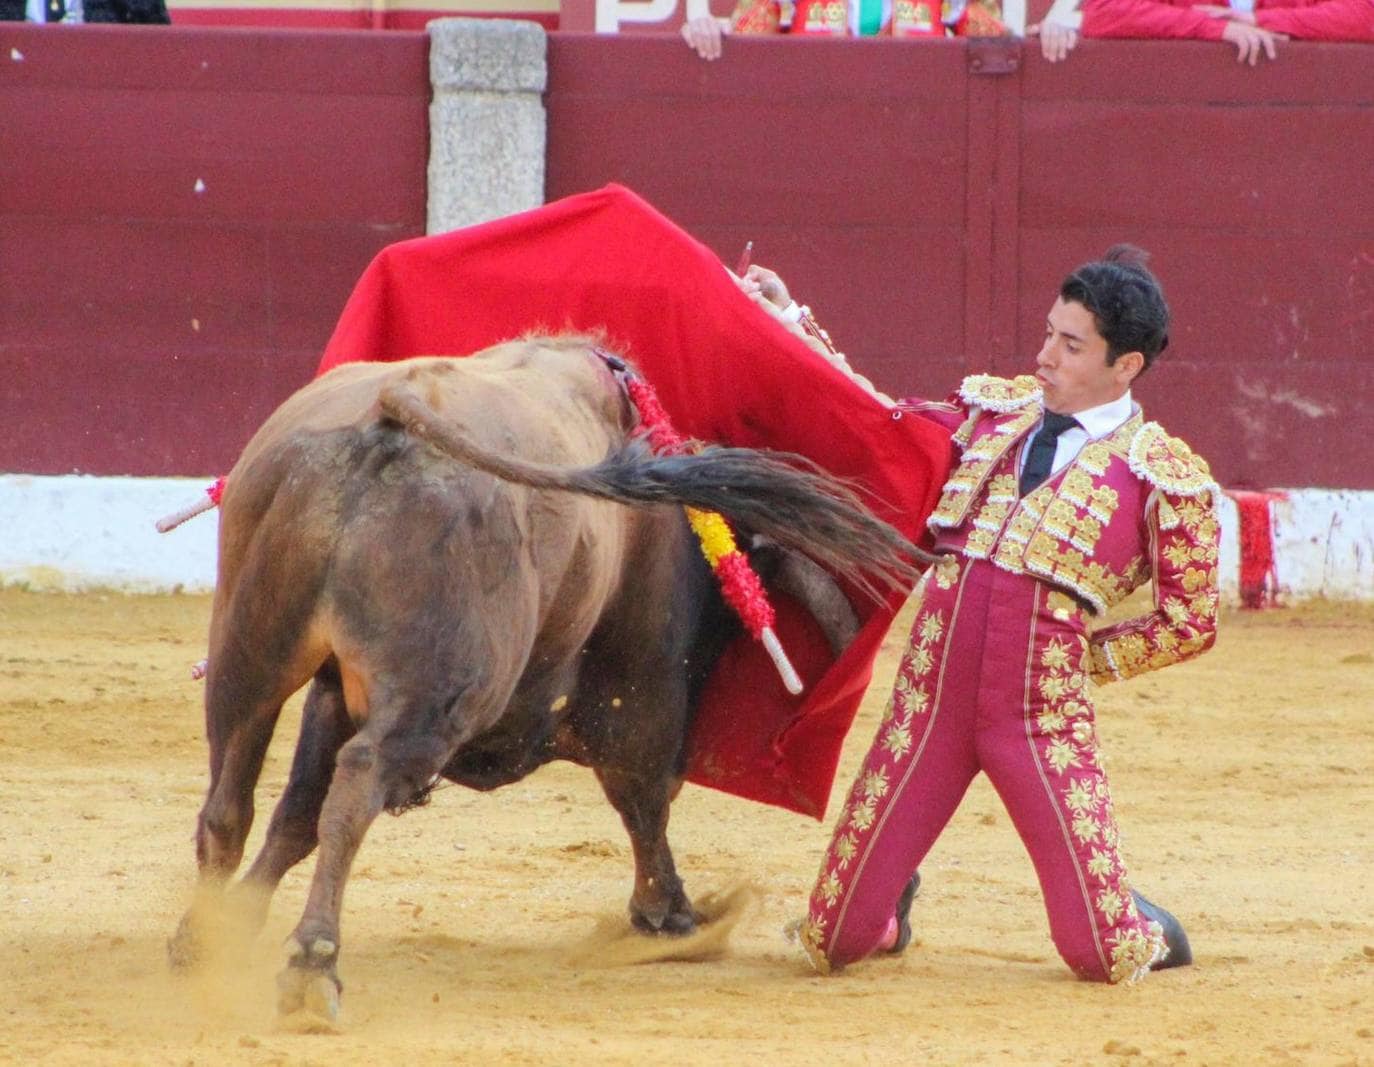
{"x": 1053, "y": 532}
{"x": 991, "y": 393}
{"x": 1184, "y": 622}
{"x": 979, "y": 458}
{"x": 1169, "y": 464}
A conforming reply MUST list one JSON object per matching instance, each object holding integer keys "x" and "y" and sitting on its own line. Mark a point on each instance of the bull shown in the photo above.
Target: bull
{"x": 441, "y": 548}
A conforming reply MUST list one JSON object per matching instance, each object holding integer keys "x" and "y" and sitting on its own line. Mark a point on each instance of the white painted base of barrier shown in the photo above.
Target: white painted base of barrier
{"x": 75, "y": 533}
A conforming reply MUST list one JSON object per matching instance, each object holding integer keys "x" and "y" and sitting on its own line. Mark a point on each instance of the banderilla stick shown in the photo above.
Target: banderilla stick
{"x": 210, "y": 500}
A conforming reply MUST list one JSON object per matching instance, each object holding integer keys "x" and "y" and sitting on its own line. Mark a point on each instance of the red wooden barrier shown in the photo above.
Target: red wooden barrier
{"x": 182, "y": 215}
{"x": 928, "y": 209}
{"x": 926, "y": 206}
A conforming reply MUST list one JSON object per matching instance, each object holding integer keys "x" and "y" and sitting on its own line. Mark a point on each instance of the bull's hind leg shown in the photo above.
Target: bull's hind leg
{"x": 380, "y": 768}
{"x": 325, "y": 726}
{"x": 659, "y": 903}
{"x": 258, "y": 658}
{"x": 240, "y": 724}
{"x": 240, "y": 720}
{"x": 293, "y": 831}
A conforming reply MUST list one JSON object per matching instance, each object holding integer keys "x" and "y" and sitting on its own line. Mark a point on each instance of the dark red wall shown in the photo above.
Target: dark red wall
{"x": 147, "y": 327}
{"x": 925, "y": 208}
{"x": 928, "y": 210}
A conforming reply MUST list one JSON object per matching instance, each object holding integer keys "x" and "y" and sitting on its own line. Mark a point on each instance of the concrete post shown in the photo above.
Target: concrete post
{"x": 486, "y": 120}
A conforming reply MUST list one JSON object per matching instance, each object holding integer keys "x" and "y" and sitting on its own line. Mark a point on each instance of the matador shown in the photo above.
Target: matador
{"x": 1062, "y": 500}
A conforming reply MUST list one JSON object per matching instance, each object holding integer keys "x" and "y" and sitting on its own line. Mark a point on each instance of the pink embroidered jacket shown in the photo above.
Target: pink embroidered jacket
{"x": 1134, "y": 506}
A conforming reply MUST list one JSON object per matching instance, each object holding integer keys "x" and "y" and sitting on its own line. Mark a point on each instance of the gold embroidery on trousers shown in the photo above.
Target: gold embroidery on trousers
{"x": 911, "y": 699}
{"x": 1070, "y": 750}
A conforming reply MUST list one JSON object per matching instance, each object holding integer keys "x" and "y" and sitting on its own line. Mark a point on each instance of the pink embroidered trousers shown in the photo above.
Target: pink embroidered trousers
{"x": 994, "y": 679}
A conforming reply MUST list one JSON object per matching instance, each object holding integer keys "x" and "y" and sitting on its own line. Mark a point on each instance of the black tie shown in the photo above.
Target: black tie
{"x": 56, "y": 10}
{"x": 1040, "y": 458}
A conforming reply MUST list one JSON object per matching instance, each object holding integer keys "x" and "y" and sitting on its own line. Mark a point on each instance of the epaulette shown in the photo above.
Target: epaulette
{"x": 991, "y": 393}
{"x": 1168, "y": 463}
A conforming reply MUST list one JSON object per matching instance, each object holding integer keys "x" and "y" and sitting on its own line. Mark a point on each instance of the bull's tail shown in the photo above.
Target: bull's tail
{"x": 783, "y": 496}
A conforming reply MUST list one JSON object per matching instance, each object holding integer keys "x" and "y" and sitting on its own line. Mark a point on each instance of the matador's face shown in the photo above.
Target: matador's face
{"x": 1072, "y": 365}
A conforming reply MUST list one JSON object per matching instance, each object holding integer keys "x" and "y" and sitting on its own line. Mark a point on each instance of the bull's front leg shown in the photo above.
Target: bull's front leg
{"x": 659, "y": 903}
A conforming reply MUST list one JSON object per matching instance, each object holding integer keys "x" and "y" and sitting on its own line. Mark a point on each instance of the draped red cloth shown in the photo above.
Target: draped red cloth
{"x": 725, "y": 372}
{"x": 1258, "y": 576}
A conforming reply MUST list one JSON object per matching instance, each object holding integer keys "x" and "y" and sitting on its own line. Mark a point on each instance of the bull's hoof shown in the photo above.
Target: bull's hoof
{"x": 184, "y": 948}
{"x": 676, "y": 922}
{"x": 310, "y": 994}
{"x": 319, "y": 1013}
{"x": 307, "y": 992}
{"x": 218, "y": 928}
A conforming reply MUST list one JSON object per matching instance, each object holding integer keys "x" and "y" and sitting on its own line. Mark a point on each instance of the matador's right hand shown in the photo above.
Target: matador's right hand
{"x": 768, "y": 284}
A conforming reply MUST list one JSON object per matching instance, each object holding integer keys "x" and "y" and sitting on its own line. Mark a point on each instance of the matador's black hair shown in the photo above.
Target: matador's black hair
{"x": 1126, "y": 301}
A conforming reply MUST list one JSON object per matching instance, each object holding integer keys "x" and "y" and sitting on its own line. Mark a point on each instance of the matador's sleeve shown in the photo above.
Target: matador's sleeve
{"x": 1185, "y": 538}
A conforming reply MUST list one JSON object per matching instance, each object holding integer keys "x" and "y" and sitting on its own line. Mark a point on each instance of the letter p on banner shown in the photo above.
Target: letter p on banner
{"x": 611, "y": 13}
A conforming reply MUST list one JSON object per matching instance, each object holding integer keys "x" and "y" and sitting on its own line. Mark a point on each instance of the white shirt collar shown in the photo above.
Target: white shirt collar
{"x": 1103, "y": 419}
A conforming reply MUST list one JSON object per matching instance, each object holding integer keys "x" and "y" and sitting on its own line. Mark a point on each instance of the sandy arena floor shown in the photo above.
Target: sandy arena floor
{"x": 1242, "y": 781}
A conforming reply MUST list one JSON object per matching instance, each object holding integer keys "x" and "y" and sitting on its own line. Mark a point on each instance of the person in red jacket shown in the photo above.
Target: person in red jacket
{"x": 1254, "y": 26}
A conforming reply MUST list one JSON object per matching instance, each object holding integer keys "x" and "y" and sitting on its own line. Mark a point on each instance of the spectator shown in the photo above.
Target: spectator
{"x": 130, "y": 11}
{"x": 1254, "y": 26}
{"x": 846, "y": 18}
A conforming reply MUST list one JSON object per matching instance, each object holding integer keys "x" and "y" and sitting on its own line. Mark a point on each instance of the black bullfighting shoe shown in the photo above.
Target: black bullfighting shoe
{"x": 1180, "y": 953}
{"x": 903, "y": 915}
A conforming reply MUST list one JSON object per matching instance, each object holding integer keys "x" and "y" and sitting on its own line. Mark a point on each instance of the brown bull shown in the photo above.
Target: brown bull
{"x": 442, "y": 546}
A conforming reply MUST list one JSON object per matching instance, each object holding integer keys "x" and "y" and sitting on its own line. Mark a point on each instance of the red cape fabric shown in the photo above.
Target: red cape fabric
{"x": 724, "y": 372}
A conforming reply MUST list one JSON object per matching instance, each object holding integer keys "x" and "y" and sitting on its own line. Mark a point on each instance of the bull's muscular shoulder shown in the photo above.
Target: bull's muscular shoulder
{"x": 991, "y": 393}
{"x": 1168, "y": 463}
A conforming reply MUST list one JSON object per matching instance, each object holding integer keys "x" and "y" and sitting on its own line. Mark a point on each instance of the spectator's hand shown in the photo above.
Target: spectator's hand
{"x": 1250, "y": 41}
{"x": 1221, "y": 11}
{"x": 1056, "y": 39}
{"x": 772, "y": 287}
{"x": 704, "y": 34}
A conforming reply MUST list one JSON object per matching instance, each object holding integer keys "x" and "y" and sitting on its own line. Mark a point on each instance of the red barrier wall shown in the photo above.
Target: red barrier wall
{"x": 926, "y": 207}
{"x": 182, "y": 214}
{"x": 348, "y": 15}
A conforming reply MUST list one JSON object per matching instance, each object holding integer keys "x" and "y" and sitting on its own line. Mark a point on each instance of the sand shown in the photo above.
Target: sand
{"x": 491, "y": 928}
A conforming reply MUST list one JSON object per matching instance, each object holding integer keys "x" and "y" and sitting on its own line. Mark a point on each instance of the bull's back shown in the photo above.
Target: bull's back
{"x": 350, "y": 498}
{"x": 547, "y": 400}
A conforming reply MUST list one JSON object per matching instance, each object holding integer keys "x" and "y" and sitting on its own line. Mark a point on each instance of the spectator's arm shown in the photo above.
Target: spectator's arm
{"x": 1326, "y": 20}
{"x": 1149, "y": 19}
